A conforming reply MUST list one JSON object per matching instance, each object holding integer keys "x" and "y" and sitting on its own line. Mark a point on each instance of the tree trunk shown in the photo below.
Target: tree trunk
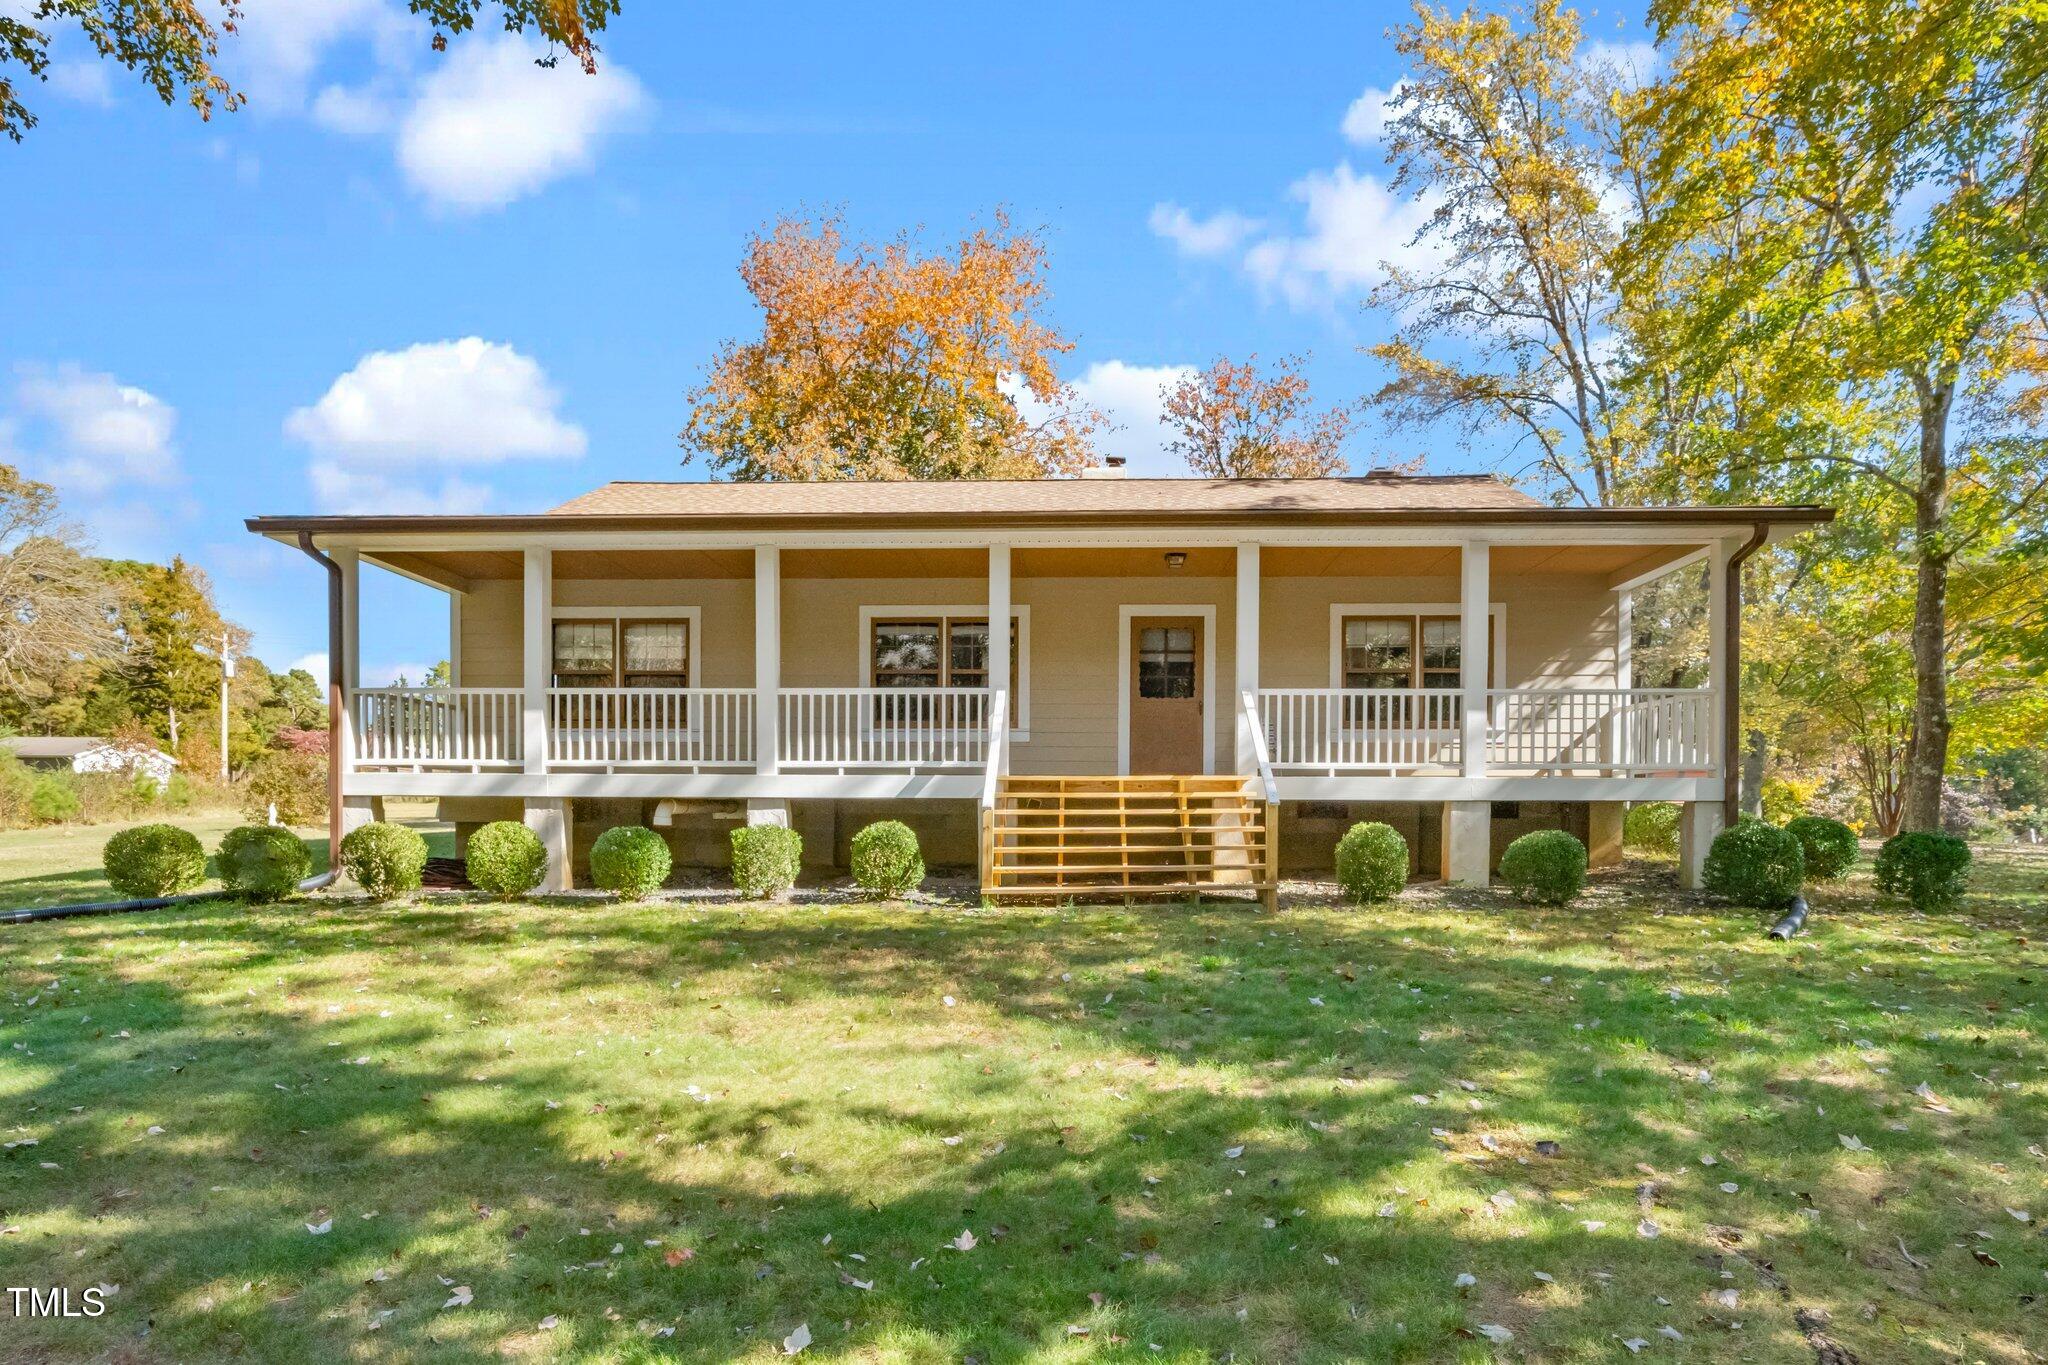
{"x": 1756, "y": 752}
{"x": 1927, "y": 749}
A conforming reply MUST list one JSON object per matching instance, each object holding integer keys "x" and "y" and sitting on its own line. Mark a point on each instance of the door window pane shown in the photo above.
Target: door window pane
{"x": 1166, "y": 663}
{"x": 583, "y": 654}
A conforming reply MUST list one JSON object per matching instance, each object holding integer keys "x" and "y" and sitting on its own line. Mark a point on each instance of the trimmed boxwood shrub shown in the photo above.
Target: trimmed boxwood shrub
{"x": 506, "y": 859}
{"x": 263, "y": 862}
{"x": 765, "y": 859}
{"x": 154, "y": 860}
{"x": 1754, "y": 863}
{"x": 1547, "y": 867}
{"x": 632, "y": 860}
{"x": 1372, "y": 862}
{"x": 1651, "y": 826}
{"x": 886, "y": 859}
{"x": 386, "y": 860}
{"x": 1931, "y": 871}
{"x": 1829, "y": 846}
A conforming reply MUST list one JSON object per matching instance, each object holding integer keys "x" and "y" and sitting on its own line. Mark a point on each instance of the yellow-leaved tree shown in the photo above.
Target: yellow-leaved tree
{"x": 1231, "y": 421}
{"x": 889, "y": 362}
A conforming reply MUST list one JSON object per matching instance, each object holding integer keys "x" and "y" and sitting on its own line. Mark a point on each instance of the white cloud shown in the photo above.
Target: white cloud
{"x": 1132, "y": 397}
{"x": 98, "y": 434}
{"x": 470, "y": 401}
{"x": 314, "y": 663}
{"x": 280, "y": 45}
{"x": 1217, "y": 235}
{"x": 1353, "y": 226}
{"x": 374, "y": 675}
{"x": 1637, "y": 62}
{"x": 84, "y": 81}
{"x": 386, "y": 433}
{"x": 340, "y": 487}
{"x": 490, "y": 126}
{"x": 1365, "y": 122}
{"x": 354, "y": 111}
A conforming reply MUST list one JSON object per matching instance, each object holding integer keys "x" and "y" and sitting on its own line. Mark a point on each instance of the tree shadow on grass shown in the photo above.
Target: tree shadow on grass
{"x": 1304, "y": 1045}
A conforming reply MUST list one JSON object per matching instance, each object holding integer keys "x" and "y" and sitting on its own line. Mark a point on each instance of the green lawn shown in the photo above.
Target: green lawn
{"x": 60, "y": 864}
{"x": 324, "y": 1131}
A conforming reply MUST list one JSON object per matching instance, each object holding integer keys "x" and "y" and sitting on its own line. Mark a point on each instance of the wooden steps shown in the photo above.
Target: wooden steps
{"x": 1127, "y": 837}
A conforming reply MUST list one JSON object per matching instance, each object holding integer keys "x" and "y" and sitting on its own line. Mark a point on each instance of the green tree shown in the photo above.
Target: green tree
{"x": 168, "y": 621}
{"x": 1888, "y": 161}
{"x": 173, "y": 44}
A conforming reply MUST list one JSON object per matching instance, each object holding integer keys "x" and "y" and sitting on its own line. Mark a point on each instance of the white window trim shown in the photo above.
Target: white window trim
{"x": 1020, "y": 647}
{"x": 1496, "y": 611}
{"x": 1124, "y": 616}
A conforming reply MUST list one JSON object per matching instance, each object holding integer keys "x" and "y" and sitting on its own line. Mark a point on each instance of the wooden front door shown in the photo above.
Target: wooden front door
{"x": 1166, "y": 694}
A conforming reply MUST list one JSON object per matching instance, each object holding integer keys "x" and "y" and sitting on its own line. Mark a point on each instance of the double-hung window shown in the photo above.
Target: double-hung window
{"x": 604, "y": 652}
{"x": 1400, "y": 651}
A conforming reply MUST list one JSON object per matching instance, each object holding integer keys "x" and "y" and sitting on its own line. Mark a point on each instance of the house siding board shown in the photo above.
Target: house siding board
{"x": 1560, "y": 632}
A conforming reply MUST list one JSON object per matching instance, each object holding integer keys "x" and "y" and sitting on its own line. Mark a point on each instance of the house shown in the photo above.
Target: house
{"x": 1099, "y": 683}
{"x": 92, "y": 754}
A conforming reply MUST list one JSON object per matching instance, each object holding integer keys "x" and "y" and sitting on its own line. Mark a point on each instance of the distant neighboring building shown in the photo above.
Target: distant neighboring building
{"x": 92, "y": 754}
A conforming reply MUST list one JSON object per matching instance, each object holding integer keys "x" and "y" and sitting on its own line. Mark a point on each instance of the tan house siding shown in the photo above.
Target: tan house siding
{"x": 1560, "y": 631}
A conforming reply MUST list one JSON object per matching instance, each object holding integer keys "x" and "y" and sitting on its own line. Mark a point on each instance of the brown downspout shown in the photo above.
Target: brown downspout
{"x": 1731, "y": 715}
{"x": 337, "y": 700}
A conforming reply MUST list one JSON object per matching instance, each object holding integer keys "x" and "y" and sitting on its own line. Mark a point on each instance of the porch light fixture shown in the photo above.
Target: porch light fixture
{"x": 1176, "y": 559}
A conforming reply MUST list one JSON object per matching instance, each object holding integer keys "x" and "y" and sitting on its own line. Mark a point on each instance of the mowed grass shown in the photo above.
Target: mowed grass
{"x": 326, "y": 1131}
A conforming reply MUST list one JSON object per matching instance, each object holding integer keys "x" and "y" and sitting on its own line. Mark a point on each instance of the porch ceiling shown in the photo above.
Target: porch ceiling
{"x": 461, "y": 569}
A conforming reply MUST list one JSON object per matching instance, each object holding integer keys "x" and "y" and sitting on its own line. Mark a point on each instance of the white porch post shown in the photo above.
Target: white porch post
{"x": 1700, "y": 821}
{"x": 537, "y": 657}
{"x": 1624, "y": 675}
{"x": 767, "y": 682}
{"x": 351, "y": 646}
{"x": 454, "y": 639}
{"x": 1248, "y": 595}
{"x": 1468, "y": 825}
{"x": 1475, "y": 590}
{"x": 999, "y": 644}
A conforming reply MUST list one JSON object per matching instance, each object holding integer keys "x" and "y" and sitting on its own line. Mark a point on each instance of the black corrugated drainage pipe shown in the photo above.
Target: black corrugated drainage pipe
{"x": 1794, "y": 919}
{"x": 336, "y": 699}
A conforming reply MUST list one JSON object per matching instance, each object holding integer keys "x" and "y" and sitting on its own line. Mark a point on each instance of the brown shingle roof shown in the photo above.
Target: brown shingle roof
{"x": 1373, "y": 493}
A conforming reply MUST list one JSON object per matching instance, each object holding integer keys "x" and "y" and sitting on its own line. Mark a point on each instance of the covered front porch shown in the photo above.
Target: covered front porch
{"x": 1312, "y": 668}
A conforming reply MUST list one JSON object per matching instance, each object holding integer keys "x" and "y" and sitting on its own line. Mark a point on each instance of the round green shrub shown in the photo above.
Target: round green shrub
{"x": 886, "y": 859}
{"x": 1547, "y": 867}
{"x": 263, "y": 862}
{"x": 1829, "y": 846}
{"x": 53, "y": 799}
{"x": 1754, "y": 863}
{"x": 1652, "y": 827}
{"x": 1372, "y": 862}
{"x": 154, "y": 860}
{"x": 631, "y": 860}
{"x": 765, "y": 860}
{"x": 1930, "y": 871}
{"x": 386, "y": 860}
{"x": 506, "y": 859}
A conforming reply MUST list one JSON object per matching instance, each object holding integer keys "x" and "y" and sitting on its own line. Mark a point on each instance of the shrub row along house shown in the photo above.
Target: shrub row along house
{"x": 1097, "y": 683}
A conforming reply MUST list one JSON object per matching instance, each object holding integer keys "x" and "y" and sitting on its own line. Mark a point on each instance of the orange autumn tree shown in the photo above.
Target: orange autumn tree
{"x": 891, "y": 363}
{"x": 1232, "y": 422}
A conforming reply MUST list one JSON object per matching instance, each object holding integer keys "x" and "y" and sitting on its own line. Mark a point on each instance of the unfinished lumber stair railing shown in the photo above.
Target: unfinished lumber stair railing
{"x": 1127, "y": 837}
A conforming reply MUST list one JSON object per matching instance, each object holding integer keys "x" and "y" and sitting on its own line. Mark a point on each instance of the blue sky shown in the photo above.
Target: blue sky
{"x": 408, "y": 281}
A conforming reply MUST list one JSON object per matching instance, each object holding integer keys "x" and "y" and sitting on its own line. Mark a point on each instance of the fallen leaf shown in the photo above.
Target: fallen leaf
{"x": 320, "y": 1228}
{"x": 549, "y": 1323}
{"x": 1495, "y": 1333}
{"x": 1854, "y": 1144}
{"x": 1646, "y": 1228}
{"x": 459, "y": 1297}
{"x": 964, "y": 1242}
{"x": 801, "y": 1337}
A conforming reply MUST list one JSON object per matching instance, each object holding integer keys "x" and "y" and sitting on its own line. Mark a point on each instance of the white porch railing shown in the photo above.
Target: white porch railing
{"x": 1530, "y": 730}
{"x": 438, "y": 727}
{"x": 651, "y": 727}
{"x": 1375, "y": 729}
{"x": 1638, "y": 730}
{"x": 883, "y": 727}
